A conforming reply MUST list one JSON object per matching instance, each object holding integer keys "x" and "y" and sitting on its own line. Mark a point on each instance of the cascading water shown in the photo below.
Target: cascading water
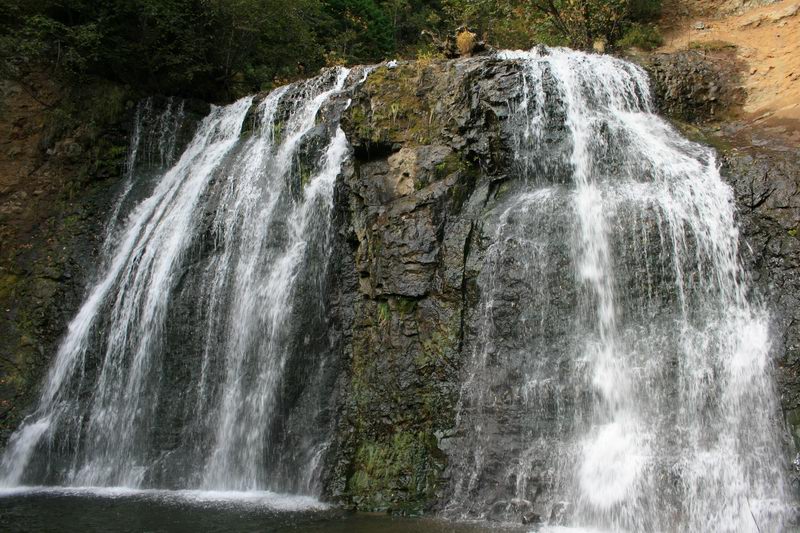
{"x": 200, "y": 356}
{"x": 153, "y": 144}
{"x": 634, "y": 390}
{"x": 619, "y": 376}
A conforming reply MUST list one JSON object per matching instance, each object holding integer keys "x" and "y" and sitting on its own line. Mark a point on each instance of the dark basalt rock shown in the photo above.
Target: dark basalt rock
{"x": 430, "y": 144}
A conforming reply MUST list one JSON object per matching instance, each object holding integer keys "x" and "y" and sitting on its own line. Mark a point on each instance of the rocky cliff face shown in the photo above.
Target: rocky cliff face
{"x": 432, "y": 155}
{"x": 766, "y": 182}
{"x": 431, "y": 148}
{"x": 56, "y": 184}
{"x": 62, "y": 160}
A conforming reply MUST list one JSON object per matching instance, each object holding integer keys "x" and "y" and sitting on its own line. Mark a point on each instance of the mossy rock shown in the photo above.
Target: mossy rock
{"x": 395, "y": 474}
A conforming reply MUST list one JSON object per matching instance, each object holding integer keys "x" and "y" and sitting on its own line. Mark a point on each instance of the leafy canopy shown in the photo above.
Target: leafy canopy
{"x": 220, "y": 49}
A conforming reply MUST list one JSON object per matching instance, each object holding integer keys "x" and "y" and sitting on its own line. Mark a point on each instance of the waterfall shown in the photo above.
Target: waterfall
{"x": 620, "y": 375}
{"x": 153, "y": 144}
{"x": 200, "y": 356}
{"x": 617, "y": 368}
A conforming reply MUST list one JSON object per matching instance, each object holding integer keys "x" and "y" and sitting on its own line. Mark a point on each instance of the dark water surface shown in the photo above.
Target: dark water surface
{"x": 120, "y": 510}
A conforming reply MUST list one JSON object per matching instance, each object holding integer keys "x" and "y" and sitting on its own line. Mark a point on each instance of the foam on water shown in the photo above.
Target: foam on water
{"x": 204, "y": 498}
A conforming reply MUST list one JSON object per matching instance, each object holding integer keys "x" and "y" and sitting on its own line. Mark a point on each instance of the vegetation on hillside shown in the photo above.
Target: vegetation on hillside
{"x": 575, "y": 23}
{"x": 219, "y": 49}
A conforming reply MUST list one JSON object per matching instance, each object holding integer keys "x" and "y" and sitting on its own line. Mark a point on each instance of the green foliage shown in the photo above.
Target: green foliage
{"x": 361, "y": 28}
{"x": 405, "y": 306}
{"x": 384, "y": 314}
{"x": 400, "y": 463}
{"x": 214, "y": 49}
{"x": 220, "y": 49}
{"x": 364, "y": 31}
{"x": 478, "y": 14}
{"x": 523, "y": 23}
{"x": 641, "y": 36}
{"x": 407, "y": 20}
{"x": 644, "y": 10}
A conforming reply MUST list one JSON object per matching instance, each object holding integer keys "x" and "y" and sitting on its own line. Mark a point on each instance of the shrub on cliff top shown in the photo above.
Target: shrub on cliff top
{"x": 642, "y": 36}
{"x": 578, "y": 23}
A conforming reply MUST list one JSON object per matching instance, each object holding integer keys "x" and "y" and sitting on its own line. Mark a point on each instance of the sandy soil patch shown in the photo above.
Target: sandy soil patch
{"x": 766, "y": 42}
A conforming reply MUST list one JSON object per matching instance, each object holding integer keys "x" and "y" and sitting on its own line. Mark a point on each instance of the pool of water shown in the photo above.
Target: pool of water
{"x": 124, "y": 510}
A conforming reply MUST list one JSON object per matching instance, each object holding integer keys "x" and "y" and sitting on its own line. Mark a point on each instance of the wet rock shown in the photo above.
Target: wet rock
{"x": 72, "y": 150}
{"x": 765, "y": 176}
{"x": 52, "y": 226}
{"x": 766, "y": 185}
{"x": 428, "y": 141}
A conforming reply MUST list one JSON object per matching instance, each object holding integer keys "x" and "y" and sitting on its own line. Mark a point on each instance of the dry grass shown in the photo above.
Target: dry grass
{"x": 465, "y": 42}
{"x": 714, "y": 45}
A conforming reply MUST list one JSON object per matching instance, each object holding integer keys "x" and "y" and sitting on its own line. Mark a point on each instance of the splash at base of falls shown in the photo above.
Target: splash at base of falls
{"x": 205, "y": 498}
{"x": 613, "y": 461}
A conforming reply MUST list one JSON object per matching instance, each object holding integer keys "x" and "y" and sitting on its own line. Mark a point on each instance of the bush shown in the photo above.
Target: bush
{"x": 577, "y": 23}
{"x": 644, "y": 10}
{"x": 465, "y": 42}
{"x": 642, "y": 36}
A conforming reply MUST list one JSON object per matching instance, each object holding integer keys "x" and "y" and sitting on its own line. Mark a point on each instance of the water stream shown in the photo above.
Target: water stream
{"x": 172, "y": 371}
{"x": 634, "y": 393}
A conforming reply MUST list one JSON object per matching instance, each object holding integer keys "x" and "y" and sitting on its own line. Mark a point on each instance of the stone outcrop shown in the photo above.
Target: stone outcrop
{"x": 766, "y": 183}
{"x": 430, "y": 150}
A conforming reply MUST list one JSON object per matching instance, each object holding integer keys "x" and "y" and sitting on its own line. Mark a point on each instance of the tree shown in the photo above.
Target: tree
{"x": 220, "y": 49}
{"x": 359, "y": 30}
{"x": 213, "y": 49}
{"x": 577, "y": 23}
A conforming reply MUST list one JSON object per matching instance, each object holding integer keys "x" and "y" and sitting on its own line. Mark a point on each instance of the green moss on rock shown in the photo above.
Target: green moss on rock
{"x": 395, "y": 469}
{"x": 394, "y": 110}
